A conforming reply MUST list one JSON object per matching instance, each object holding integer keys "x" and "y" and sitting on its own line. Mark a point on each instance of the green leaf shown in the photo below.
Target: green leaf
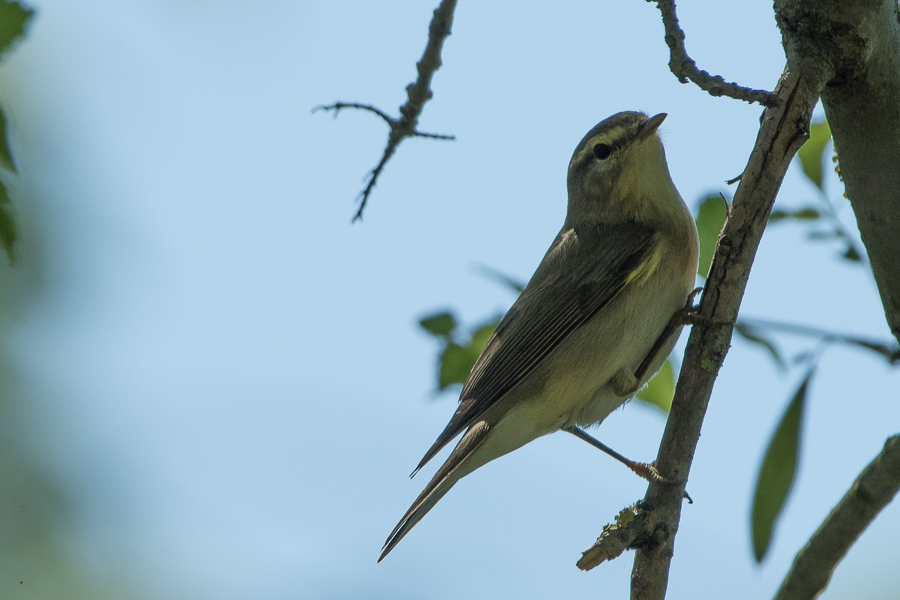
{"x": 755, "y": 336}
{"x": 711, "y": 216}
{"x": 457, "y": 361}
{"x": 8, "y": 232}
{"x": 810, "y": 153}
{"x": 481, "y": 335}
{"x": 6, "y": 158}
{"x": 807, "y": 214}
{"x": 440, "y": 324}
{"x": 804, "y": 214}
{"x": 14, "y": 19}
{"x": 851, "y": 254}
{"x": 776, "y": 475}
{"x": 661, "y": 389}
{"x": 825, "y": 235}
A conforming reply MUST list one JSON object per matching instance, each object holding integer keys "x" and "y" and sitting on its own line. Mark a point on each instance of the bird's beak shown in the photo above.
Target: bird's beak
{"x": 651, "y": 125}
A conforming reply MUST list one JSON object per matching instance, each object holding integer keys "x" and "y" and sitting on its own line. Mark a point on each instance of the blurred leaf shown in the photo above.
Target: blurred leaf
{"x": 440, "y": 324}
{"x": 755, "y": 336}
{"x": 481, "y": 335}
{"x": 892, "y": 353}
{"x": 776, "y": 475}
{"x": 457, "y": 361}
{"x": 825, "y": 235}
{"x": 14, "y": 19}
{"x": 851, "y": 254}
{"x": 661, "y": 389}
{"x": 805, "y": 356}
{"x": 8, "y": 233}
{"x": 711, "y": 216}
{"x": 804, "y": 214}
{"x": 6, "y": 158}
{"x": 513, "y": 284}
{"x": 810, "y": 153}
{"x": 888, "y": 350}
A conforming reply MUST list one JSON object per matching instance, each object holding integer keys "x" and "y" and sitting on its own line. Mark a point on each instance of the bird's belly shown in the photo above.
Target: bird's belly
{"x": 564, "y": 405}
{"x": 573, "y": 386}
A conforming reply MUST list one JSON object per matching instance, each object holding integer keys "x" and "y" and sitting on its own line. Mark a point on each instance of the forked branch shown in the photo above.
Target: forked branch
{"x": 418, "y": 93}
{"x": 686, "y": 69}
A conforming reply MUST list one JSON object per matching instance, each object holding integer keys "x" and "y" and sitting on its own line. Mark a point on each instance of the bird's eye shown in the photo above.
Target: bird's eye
{"x": 602, "y": 151}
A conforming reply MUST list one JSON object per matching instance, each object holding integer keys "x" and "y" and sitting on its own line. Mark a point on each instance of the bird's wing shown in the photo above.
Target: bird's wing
{"x": 449, "y": 473}
{"x": 581, "y": 273}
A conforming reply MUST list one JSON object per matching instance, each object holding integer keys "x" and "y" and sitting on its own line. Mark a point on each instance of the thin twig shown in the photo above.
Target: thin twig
{"x": 686, "y": 69}
{"x": 339, "y": 106}
{"x": 889, "y": 351}
{"x": 872, "y": 491}
{"x": 843, "y": 233}
{"x": 418, "y": 93}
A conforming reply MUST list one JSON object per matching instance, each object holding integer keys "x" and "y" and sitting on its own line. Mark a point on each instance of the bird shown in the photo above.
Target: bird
{"x": 596, "y": 320}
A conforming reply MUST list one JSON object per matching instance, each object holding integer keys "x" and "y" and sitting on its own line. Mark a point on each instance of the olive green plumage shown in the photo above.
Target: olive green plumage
{"x": 566, "y": 352}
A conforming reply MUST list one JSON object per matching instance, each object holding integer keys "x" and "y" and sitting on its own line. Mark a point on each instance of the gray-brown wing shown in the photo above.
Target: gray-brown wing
{"x": 581, "y": 273}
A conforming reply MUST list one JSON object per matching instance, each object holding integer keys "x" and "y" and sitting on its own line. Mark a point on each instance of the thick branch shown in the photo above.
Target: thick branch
{"x": 783, "y": 130}
{"x": 860, "y": 40}
{"x": 686, "y": 69}
{"x": 418, "y": 93}
{"x": 872, "y": 491}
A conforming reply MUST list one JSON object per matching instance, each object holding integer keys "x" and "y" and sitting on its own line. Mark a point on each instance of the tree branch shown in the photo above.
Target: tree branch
{"x": 418, "y": 93}
{"x": 889, "y": 352}
{"x": 784, "y": 128}
{"x": 856, "y": 52}
{"x": 686, "y": 69}
{"x": 616, "y": 538}
{"x": 860, "y": 41}
{"x": 872, "y": 491}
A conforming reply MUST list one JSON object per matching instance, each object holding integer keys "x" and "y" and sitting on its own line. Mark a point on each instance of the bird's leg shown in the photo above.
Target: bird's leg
{"x": 645, "y": 470}
{"x": 624, "y": 384}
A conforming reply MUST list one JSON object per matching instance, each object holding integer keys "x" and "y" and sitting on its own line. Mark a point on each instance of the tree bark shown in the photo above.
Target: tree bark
{"x": 784, "y": 129}
{"x": 858, "y": 41}
{"x": 847, "y": 52}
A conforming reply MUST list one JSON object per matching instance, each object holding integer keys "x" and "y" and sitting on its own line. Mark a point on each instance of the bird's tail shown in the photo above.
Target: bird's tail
{"x": 457, "y": 466}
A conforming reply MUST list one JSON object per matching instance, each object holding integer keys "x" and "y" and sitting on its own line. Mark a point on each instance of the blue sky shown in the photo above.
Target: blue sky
{"x": 226, "y": 376}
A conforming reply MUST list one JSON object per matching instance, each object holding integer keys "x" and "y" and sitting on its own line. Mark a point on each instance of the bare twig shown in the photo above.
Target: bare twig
{"x": 872, "y": 491}
{"x": 615, "y": 539}
{"x": 784, "y": 128}
{"x": 418, "y": 93}
{"x": 686, "y": 69}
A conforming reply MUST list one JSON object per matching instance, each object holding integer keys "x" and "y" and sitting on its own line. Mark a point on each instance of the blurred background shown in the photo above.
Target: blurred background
{"x": 214, "y": 386}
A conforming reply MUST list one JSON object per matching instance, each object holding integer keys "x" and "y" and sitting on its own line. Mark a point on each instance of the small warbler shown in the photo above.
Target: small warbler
{"x": 593, "y": 324}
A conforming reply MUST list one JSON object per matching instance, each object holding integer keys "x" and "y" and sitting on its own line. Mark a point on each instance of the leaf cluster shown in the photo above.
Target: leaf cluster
{"x": 14, "y": 21}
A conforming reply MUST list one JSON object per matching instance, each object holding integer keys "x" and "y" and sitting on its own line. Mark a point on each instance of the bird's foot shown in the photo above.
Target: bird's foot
{"x": 689, "y": 314}
{"x": 649, "y": 472}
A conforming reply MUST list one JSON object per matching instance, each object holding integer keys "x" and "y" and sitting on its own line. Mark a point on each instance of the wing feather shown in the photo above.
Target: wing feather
{"x": 585, "y": 268}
